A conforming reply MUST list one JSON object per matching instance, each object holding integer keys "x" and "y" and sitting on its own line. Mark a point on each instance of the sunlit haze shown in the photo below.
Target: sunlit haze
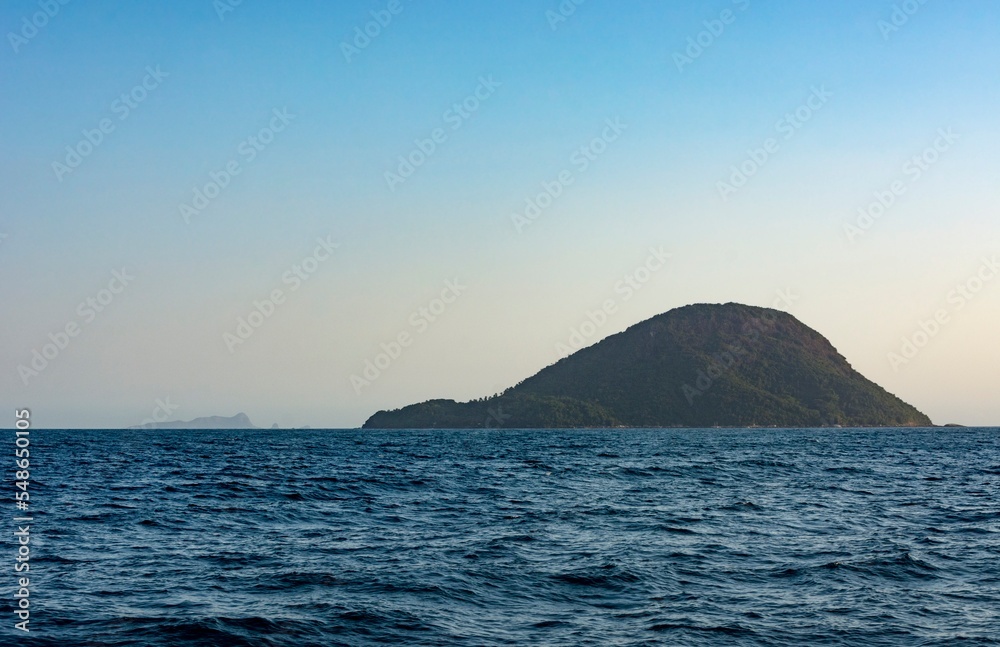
{"x": 312, "y": 211}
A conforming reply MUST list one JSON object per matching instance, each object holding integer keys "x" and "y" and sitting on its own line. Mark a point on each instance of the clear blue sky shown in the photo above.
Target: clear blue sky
{"x": 874, "y": 84}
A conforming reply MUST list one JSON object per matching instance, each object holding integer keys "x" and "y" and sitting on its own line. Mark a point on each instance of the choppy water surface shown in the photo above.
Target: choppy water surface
{"x": 619, "y": 537}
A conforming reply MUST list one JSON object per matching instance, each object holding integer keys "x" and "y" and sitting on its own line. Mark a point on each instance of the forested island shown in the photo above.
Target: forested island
{"x": 697, "y": 366}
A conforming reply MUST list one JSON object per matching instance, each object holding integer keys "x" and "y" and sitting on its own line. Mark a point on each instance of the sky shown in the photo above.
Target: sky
{"x": 311, "y": 211}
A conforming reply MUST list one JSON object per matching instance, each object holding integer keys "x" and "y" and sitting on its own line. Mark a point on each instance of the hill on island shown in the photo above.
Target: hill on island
{"x": 696, "y": 366}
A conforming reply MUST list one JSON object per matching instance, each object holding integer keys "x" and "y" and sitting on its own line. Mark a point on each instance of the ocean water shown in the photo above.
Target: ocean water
{"x": 505, "y": 537}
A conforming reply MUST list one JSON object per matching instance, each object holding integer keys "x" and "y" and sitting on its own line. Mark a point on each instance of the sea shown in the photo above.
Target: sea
{"x": 512, "y": 537}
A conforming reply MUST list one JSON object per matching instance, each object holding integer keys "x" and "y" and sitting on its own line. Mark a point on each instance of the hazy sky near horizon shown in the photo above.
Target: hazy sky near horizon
{"x": 475, "y": 178}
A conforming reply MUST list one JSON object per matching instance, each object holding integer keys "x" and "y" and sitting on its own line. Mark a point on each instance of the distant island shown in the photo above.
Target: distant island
{"x": 239, "y": 421}
{"x": 702, "y": 365}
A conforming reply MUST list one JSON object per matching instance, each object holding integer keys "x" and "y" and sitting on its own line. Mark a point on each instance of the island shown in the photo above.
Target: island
{"x": 239, "y": 421}
{"x": 702, "y": 365}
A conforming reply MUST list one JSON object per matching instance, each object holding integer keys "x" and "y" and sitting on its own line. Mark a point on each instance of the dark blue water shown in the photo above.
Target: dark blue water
{"x": 619, "y": 537}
